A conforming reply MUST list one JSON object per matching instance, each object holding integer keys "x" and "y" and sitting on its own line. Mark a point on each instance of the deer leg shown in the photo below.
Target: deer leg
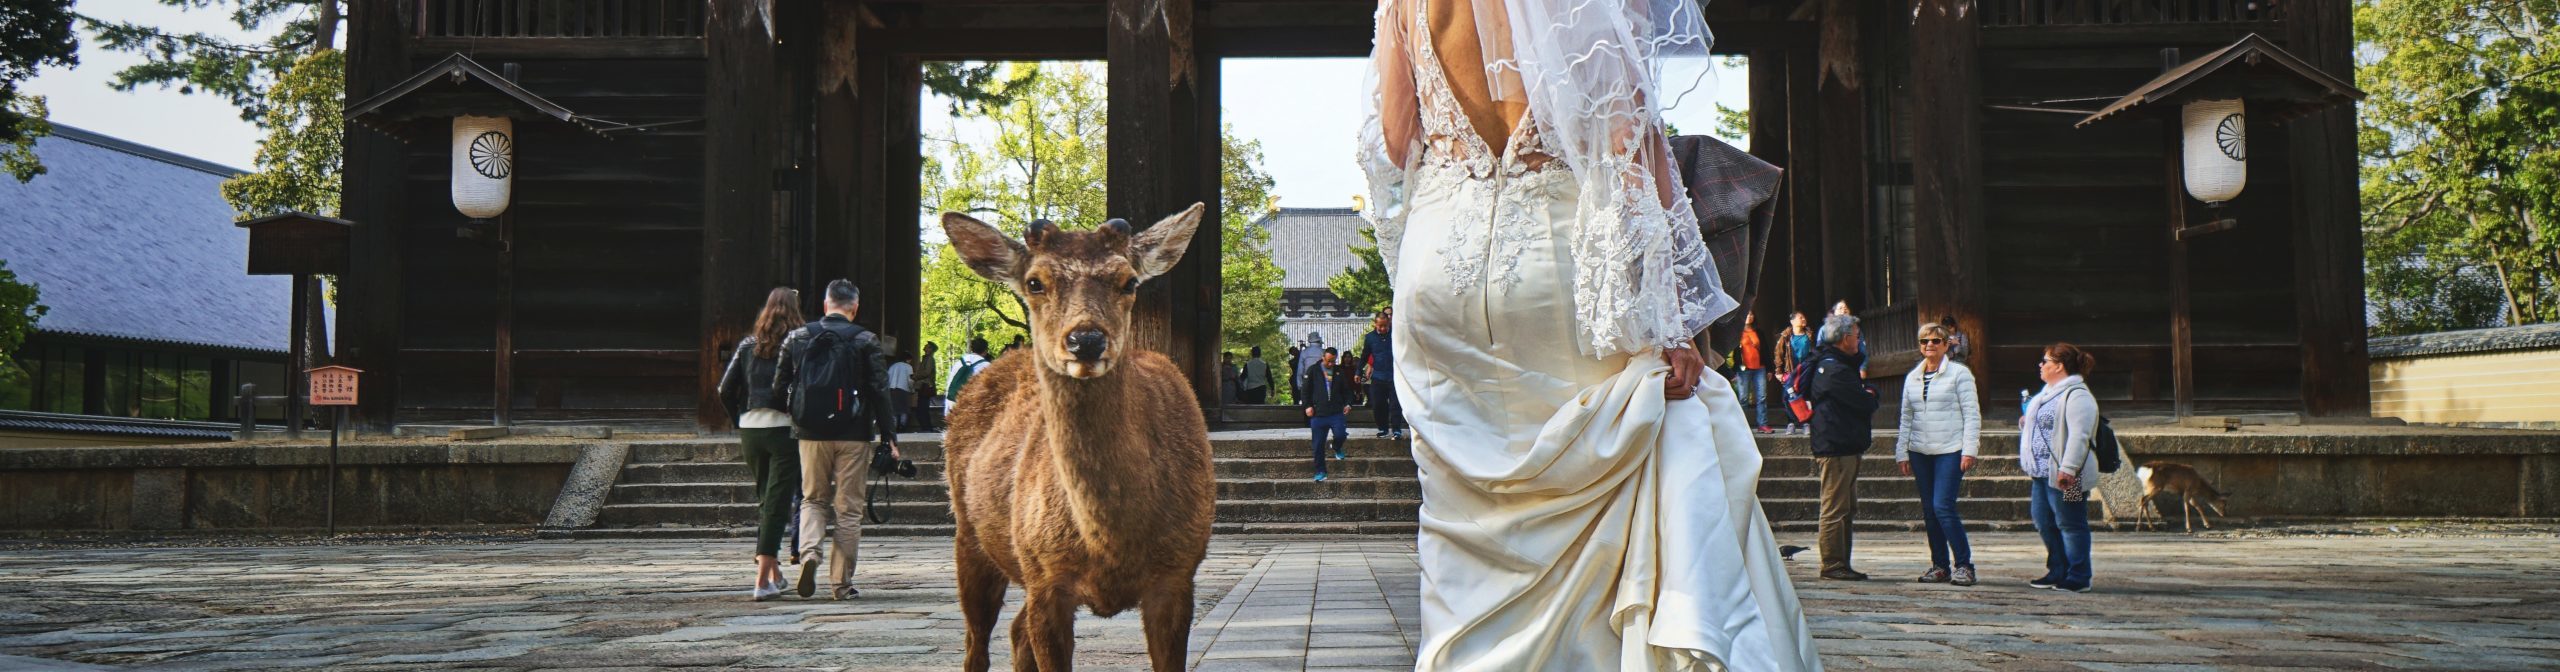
{"x": 981, "y": 598}
{"x": 1167, "y": 611}
{"x": 2187, "y": 512}
{"x": 1023, "y": 641}
{"x": 1048, "y": 623}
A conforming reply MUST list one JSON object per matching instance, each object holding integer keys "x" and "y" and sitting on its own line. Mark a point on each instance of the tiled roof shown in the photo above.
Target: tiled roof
{"x": 1312, "y": 244}
{"x": 130, "y": 242}
{"x": 83, "y": 424}
{"x": 2498, "y": 339}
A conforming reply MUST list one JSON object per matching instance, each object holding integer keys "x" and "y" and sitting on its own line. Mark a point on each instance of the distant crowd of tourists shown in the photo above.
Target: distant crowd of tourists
{"x": 1823, "y": 394}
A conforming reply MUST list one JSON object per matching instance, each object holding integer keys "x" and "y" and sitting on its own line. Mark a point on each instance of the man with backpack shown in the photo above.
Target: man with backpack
{"x": 834, "y": 377}
{"x": 968, "y": 365}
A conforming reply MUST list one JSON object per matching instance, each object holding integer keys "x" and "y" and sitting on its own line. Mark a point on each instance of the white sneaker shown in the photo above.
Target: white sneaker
{"x": 767, "y": 591}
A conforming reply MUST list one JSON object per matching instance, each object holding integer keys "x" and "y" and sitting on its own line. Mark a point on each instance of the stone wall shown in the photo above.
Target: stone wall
{"x": 265, "y": 487}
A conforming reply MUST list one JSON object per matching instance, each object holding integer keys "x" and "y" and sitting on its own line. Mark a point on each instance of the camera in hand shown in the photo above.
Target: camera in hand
{"x": 883, "y": 462}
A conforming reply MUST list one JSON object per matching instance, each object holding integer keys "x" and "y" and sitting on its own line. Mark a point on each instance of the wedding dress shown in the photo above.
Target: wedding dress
{"x": 1572, "y": 518}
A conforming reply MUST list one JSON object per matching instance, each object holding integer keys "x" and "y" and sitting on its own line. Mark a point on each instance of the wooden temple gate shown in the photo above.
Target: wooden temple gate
{"x": 741, "y": 159}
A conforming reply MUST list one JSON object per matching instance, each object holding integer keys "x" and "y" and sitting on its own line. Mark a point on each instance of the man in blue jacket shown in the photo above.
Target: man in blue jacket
{"x": 1324, "y": 405}
{"x": 1378, "y": 351}
{"x": 1844, "y": 410}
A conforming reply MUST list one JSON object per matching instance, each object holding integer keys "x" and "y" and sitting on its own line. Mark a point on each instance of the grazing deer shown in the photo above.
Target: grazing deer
{"x": 2194, "y": 495}
{"x": 1079, "y": 469}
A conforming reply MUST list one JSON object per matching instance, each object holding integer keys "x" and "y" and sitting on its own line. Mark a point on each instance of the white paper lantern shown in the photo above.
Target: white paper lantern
{"x": 2217, "y": 150}
{"x": 484, "y": 163}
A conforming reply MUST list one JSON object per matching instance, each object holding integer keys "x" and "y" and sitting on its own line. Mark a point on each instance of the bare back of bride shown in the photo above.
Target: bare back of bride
{"x": 1588, "y": 497}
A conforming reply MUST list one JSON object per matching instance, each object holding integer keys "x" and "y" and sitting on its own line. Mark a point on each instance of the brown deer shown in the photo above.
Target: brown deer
{"x": 1080, "y": 468}
{"x": 2195, "y": 496}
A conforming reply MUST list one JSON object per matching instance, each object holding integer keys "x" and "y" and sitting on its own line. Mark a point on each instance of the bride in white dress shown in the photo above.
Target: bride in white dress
{"x": 1588, "y": 495}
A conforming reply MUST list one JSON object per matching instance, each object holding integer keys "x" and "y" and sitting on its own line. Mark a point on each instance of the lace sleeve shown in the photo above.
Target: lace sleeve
{"x": 1390, "y": 135}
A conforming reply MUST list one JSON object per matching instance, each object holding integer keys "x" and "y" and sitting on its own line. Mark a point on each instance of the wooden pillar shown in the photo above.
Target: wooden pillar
{"x": 846, "y": 94}
{"x": 743, "y": 148}
{"x": 1154, "y": 172}
{"x": 502, "y": 398}
{"x": 2328, "y": 242}
{"x": 297, "y": 356}
{"x": 1946, "y": 173}
{"x": 2182, "y": 333}
{"x": 374, "y": 181}
{"x": 1830, "y": 151}
{"x": 1796, "y": 244}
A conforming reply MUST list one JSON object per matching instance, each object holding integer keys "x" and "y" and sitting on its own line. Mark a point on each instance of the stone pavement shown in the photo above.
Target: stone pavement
{"x": 2164, "y": 602}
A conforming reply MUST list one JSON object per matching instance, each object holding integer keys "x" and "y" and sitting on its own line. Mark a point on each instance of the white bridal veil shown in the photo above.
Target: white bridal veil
{"x": 1596, "y": 76}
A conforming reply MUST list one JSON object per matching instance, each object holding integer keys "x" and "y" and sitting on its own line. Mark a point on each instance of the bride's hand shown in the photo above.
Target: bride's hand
{"x": 1686, "y": 366}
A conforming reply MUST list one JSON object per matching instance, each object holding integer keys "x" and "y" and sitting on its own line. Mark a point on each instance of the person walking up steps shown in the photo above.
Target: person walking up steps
{"x": 834, "y": 378}
{"x": 1324, "y": 407}
{"x": 764, "y": 430}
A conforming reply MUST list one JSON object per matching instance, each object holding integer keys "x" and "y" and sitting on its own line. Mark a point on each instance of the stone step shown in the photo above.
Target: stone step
{"x": 1293, "y": 485}
{"x": 671, "y": 532}
{"x": 937, "y": 512}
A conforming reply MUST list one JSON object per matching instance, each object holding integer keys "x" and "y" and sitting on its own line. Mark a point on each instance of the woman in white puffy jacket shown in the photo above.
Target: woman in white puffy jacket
{"x": 1940, "y": 435}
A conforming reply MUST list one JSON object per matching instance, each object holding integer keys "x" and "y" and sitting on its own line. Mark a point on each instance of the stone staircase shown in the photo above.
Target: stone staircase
{"x": 695, "y": 489}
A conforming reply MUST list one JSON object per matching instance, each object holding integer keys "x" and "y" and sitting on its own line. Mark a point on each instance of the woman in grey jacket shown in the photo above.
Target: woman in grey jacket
{"x": 1939, "y": 436}
{"x": 2053, "y": 448}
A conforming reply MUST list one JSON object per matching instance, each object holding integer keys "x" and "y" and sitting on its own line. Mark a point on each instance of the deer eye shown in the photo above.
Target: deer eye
{"x": 1035, "y": 286}
{"x": 1130, "y": 287}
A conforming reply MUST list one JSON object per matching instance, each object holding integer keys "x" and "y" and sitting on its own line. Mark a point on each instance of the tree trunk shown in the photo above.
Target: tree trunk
{"x": 327, "y": 36}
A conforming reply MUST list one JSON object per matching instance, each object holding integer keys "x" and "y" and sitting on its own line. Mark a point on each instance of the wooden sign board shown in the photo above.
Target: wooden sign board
{"x": 333, "y": 386}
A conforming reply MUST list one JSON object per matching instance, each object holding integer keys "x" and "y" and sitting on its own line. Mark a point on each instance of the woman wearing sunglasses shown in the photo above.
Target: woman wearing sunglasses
{"x": 1940, "y": 434}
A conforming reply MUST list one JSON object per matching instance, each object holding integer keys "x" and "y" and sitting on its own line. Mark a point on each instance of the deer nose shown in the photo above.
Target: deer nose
{"x": 1086, "y": 344}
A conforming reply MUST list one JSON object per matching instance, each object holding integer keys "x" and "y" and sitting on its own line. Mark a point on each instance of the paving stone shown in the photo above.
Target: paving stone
{"x": 2165, "y": 601}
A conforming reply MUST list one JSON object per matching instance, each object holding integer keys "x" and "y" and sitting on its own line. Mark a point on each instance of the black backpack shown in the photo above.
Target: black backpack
{"x": 828, "y": 397}
{"x": 2103, "y": 442}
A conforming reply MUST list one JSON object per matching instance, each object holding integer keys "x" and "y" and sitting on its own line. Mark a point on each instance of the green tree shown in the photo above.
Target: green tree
{"x": 1731, "y": 124}
{"x": 2460, "y": 137}
{"x": 18, "y": 314}
{"x": 239, "y": 72}
{"x": 1248, "y": 280}
{"x": 1047, "y": 161}
{"x": 1364, "y": 286}
{"x": 33, "y": 34}
{"x": 299, "y": 159}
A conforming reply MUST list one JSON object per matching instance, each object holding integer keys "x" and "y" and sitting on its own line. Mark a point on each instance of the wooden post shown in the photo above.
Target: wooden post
{"x": 1796, "y": 260}
{"x": 742, "y": 114}
{"x": 502, "y": 396}
{"x": 375, "y": 184}
{"x": 2182, "y": 336}
{"x": 2327, "y": 235}
{"x": 294, "y": 386}
{"x": 1153, "y": 122}
{"x": 1946, "y": 175}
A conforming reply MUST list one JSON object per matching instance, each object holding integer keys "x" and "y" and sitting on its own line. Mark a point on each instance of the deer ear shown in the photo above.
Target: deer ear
{"x": 992, "y": 254}
{"x": 1157, "y": 249}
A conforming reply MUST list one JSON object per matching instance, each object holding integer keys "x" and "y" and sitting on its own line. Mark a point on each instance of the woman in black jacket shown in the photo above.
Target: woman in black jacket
{"x": 765, "y": 427}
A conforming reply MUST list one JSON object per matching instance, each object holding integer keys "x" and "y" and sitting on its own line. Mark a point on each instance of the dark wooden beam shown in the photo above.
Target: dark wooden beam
{"x": 370, "y": 296}
{"x": 503, "y": 344}
{"x": 2142, "y": 35}
{"x": 2328, "y": 241}
{"x": 493, "y": 49}
{"x": 1831, "y": 153}
{"x": 742, "y": 110}
{"x": 1153, "y": 115}
{"x": 2182, "y": 330}
{"x": 1946, "y": 166}
{"x": 1796, "y": 284}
